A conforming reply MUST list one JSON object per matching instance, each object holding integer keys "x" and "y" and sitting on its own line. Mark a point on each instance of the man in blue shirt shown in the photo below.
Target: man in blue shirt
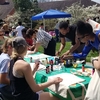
{"x": 85, "y": 34}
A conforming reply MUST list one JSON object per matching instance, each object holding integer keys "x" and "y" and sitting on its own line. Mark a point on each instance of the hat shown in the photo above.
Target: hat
{"x": 19, "y": 41}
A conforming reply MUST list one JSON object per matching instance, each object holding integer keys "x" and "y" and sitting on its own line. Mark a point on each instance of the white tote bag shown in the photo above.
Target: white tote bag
{"x": 93, "y": 91}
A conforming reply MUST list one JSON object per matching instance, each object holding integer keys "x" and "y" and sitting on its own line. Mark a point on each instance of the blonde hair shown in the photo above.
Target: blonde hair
{"x": 8, "y": 42}
{"x": 17, "y": 51}
{"x": 5, "y": 27}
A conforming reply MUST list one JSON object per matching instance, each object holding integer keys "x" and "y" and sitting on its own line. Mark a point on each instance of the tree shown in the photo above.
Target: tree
{"x": 25, "y": 10}
{"x": 78, "y": 12}
{"x": 22, "y": 5}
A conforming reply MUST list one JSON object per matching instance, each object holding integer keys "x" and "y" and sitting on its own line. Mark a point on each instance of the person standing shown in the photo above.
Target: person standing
{"x": 57, "y": 31}
{"x": 6, "y": 29}
{"x": 86, "y": 35}
{"x": 5, "y": 89}
{"x": 19, "y": 29}
{"x": 69, "y": 32}
{"x": 45, "y": 40}
{"x": 41, "y": 26}
{"x": 30, "y": 37}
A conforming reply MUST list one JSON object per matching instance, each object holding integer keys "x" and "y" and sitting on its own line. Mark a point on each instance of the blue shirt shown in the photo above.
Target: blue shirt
{"x": 88, "y": 47}
{"x": 4, "y": 60}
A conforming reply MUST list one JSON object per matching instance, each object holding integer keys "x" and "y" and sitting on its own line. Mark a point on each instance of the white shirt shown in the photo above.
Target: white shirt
{"x": 57, "y": 25}
{"x": 43, "y": 37}
{"x": 4, "y": 60}
{"x": 19, "y": 29}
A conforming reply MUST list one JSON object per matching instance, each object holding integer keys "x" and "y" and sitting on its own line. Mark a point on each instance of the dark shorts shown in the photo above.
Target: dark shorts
{"x": 51, "y": 48}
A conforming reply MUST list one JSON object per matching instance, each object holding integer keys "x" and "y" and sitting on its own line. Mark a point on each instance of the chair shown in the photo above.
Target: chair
{"x": 1, "y": 97}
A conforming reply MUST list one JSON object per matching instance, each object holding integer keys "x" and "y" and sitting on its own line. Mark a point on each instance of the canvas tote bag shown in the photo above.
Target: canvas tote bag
{"x": 93, "y": 91}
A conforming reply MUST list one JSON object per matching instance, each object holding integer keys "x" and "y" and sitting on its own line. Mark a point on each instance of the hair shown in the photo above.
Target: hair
{"x": 7, "y": 43}
{"x": 36, "y": 30}
{"x": 24, "y": 32}
{"x": 29, "y": 33}
{"x": 20, "y": 23}
{"x": 41, "y": 24}
{"x": 63, "y": 24}
{"x": 5, "y": 27}
{"x": 84, "y": 28}
{"x": 68, "y": 22}
{"x": 18, "y": 50}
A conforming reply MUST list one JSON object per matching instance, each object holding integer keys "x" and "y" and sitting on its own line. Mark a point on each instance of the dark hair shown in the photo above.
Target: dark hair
{"x": 29, "y": 33}
{"x": 63, "y": 25}
{"x": 24, "y": 32}
{"x": 20, "y": 23}
{"x": 68, "y": 21}
{"x": 41, "y": 24}
{"x": 84, "y": 28}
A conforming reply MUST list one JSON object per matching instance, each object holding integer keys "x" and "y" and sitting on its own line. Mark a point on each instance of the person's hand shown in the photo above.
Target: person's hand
{"x": 58, "y": 53}
{"x": 66, "y": 53}
{"x": 67, "y": 57}
{"x": 36, "y": 65}
{"x": 31, "y": 52}
{"x": 57, "y": 80}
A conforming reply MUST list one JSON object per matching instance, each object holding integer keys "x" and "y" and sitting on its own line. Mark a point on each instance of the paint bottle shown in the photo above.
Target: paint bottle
{"x": 68, "y": 63}
{"x": 93, "y": 70}
{"x": 51, "y": 63}
{"x": 31, "y": 60}
{"x": 47, "y": 61}
{"x": 47, "y": 68}
{"x": 56, "y": 61}
{"x": 65, "y": 63}
{"x": 51, "y": 67}
{"x": 83, "y": 68}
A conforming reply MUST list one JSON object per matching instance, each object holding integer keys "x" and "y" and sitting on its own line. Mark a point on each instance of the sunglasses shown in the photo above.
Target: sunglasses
{"x": 82, "y": 37}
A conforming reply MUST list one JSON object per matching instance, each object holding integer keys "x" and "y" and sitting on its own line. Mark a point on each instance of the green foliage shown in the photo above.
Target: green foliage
{"x": 78, "y": 12}
{"x": 25, "y": 9}
{"x": 22, "y": 5}
{"x": 67, "y": 47}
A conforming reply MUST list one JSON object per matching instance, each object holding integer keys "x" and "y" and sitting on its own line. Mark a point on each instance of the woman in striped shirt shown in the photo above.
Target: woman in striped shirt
{"x": 46, "y": 41}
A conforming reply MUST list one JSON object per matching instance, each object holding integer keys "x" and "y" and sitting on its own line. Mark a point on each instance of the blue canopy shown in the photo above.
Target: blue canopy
{"x": 50, "y": 14}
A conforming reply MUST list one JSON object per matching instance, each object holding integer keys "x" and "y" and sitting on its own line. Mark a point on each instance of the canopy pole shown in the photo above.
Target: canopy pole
{"x": 44, "y": 23}
{"x": 31, "y": 24}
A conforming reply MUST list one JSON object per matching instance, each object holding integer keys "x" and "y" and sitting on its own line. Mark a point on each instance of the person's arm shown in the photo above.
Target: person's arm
{"x": 4, "y": 72}
{"x": 84, "y": 53}
{"x": 62, "y": 45}
{"x": 73, "y": 47}
{"x": 35, "y": 49}
{"x": 99, "y": 36}
{"x": 36, "y": 66}
{"x": 26, "y": 70}
{"x": 4, "y": 79}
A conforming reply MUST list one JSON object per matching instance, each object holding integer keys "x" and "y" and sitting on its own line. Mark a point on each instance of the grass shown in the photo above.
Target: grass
{"x": 68, "y": 44}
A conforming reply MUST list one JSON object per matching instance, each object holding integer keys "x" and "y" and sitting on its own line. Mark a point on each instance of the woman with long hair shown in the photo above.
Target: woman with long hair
{"x": 5, "y": 89}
